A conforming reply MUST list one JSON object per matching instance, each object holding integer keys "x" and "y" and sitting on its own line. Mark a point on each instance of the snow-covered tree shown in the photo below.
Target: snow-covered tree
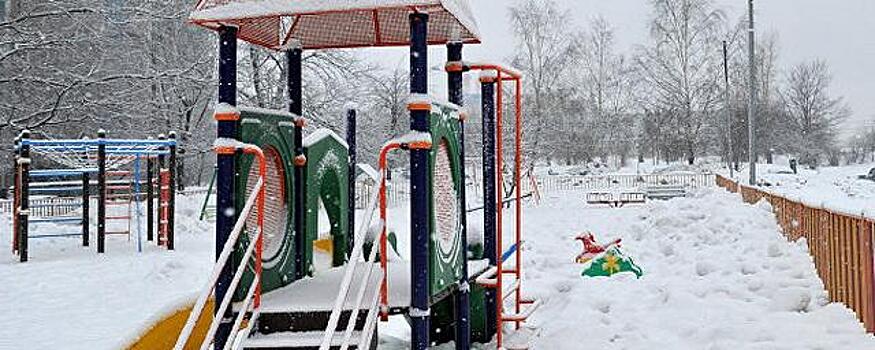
{"x": 812, "y": 111}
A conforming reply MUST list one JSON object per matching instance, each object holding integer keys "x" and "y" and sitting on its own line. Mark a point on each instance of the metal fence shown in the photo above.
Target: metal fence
{"x": 548, "y": 184}
{"x": 46, "y": 207}
{"x": 840, "y": 243}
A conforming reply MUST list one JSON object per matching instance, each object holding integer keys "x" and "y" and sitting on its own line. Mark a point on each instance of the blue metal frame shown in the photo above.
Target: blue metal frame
{"x": 419, "y": 313}
{"x": 463, "y": 301}
{"x": 225, "y": 203}
{"x": 489, "y": 196}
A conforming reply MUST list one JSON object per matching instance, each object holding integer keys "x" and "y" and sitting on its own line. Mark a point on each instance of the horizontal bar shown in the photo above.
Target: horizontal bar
{"x": 57, "y": 235}
{"x": 94, "y": 142}
{"x": 57, "y": 219}
{"x": 522, "y": 316}
{"x": 60, "y": 172}
{"x": 34, "y": 206}
{"x": 54, "y": 189}
{"x": 117, "y": 233}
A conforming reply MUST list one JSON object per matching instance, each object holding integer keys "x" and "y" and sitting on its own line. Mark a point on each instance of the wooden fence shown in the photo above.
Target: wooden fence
{"x": 840, "y": 244}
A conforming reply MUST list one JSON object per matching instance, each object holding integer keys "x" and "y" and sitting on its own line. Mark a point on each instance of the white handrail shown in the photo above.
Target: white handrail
{"x": 350, "y": 324}
{"x": 226, "y": 301}
{"x": 348, "y": 274}
{"x": 227, "y": 249}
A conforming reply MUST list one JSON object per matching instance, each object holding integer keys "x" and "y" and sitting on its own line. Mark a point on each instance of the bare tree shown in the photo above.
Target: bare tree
{"x": 682, "y": 66}
{"x": 545, "y": 47}
{"x": 813, "y": 113}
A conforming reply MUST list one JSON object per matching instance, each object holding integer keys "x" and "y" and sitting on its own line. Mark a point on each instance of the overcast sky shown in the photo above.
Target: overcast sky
{"x": 842, "y": 32}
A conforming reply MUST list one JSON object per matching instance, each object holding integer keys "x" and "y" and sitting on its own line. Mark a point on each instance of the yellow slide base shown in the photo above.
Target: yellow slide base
{"x": 325, "y": 245}
{"x": 163, "y": 335}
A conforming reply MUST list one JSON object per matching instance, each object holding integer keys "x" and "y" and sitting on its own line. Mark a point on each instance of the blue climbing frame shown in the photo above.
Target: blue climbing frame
{"x": 67, "y": 190}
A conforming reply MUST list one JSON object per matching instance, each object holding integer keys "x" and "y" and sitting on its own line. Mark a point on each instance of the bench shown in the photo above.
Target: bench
{"x": 665, "y": 192}
{"x": 615, "y": 199}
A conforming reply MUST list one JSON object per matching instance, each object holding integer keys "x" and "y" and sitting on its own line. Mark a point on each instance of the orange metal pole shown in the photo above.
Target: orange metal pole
{"x": 499, "y": 158}
{"x": 384, "y": 288}
{"x": 519, "y": 198}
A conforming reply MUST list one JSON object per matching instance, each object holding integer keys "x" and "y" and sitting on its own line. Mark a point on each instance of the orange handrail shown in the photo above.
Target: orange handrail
{"x": 383, "y": 164}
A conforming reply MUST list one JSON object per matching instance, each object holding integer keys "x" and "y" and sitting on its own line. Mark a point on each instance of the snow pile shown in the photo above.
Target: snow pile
{"x": 69, "y": 297}
{"x": 718, "y": 275}
{"x": 835, "y": 188}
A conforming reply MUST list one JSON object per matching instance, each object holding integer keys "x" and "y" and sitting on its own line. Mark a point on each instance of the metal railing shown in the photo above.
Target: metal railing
{"x": 346, "y": 284}
{"x": 252, "y": 302}
{"x": 840, "y": 243}
{"x": 553, "y": 183}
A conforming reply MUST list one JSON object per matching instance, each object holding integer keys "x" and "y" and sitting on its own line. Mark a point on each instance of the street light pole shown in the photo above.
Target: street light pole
{"x": 727, "y": 108}
{"x": 751, "y": 110}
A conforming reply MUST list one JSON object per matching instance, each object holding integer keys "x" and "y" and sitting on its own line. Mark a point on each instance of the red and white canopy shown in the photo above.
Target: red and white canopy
{"x": 322, "y": 24}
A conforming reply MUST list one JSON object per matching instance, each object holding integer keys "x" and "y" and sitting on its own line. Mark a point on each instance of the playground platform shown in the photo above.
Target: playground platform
{"x": 319, "y": 292}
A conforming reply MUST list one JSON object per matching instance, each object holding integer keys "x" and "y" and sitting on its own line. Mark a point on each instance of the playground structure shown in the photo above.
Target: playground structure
{"x": 262, "y": 299}
{"x": 109, "y": 169}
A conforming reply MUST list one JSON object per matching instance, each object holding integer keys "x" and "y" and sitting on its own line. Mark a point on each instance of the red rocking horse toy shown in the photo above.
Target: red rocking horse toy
{"x": 591, "y": 248}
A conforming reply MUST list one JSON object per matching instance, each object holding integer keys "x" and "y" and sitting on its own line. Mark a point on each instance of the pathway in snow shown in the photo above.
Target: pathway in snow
{"x": 718, "y": 275}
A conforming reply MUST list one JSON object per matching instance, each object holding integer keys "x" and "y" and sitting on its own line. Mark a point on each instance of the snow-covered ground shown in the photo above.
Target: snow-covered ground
{"x": 836, "y": 188}
{"x": 69, "y": 297}
{"x": 718, "y": 275}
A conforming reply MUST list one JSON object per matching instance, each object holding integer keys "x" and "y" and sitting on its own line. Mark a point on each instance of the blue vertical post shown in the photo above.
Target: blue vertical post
{"x": 137, "y": 198}
{"x": 226, "y": 212}
{"x": 173, "y": 183}
{"x": 150, "y": 200}
{"x": 295, "y": 86}
{"x": 456, "y": 95}
{"x": 419, "y": 174}
{"x": 86, "y": 215}
{"x": 24, "y": 194}
{"x": 489, "y": 248}
{"x": 101, "y": 191}
{"x": 350, "y": 140}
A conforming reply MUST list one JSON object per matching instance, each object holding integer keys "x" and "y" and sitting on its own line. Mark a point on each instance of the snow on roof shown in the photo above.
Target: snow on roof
{"x": 320, "y": 134}
{"x": 273, "y": 112}
{"x": 319, "y": 24}
{"x": 369, "y": 170}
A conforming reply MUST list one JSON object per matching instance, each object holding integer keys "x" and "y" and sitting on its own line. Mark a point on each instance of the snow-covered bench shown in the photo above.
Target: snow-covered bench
{"x": 615, "y": 199}
{"x": 665, "y": 191}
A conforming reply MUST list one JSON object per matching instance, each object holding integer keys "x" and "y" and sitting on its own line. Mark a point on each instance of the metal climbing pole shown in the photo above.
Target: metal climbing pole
{"x": 225, "y": 207}
{"x": 455, "y": 69}
{"x": 101, "y": 192}
{"x": 419, "y": 174}
{"x": 489, "y": 196}
{"x": 350, "y": 141}
{"x": 294, "y": 81}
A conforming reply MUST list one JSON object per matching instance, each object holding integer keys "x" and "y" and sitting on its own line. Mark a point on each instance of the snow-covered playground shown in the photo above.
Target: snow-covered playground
{"x": 718, "y": 275}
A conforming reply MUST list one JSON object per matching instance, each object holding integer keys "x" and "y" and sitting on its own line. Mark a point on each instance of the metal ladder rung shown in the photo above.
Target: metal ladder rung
{"x": 522, "y": 316}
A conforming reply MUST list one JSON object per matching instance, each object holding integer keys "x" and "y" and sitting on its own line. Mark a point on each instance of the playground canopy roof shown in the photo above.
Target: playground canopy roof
{"x": 323, "y": 24}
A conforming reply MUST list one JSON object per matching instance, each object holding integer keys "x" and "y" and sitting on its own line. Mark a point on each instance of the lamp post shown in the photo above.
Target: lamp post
{"x": 751, "y": 110}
